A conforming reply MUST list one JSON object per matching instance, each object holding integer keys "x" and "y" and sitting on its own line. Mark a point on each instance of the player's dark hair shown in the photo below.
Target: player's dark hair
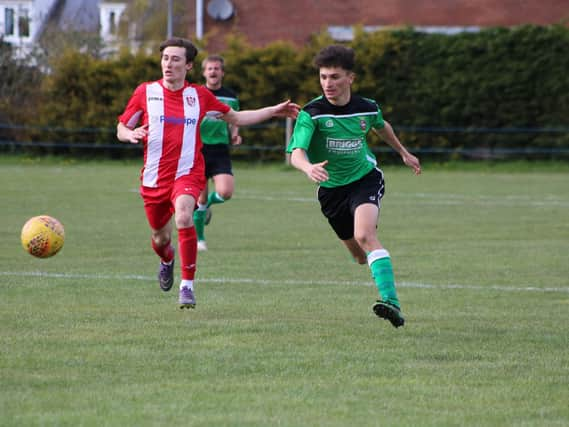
{"x": 335, "y": 56}
{"x": 191, "y": 50}
{"x": 214, "y": 58}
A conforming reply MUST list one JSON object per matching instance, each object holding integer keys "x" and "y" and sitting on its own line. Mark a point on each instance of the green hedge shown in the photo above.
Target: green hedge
{"x": 496, "y": 78}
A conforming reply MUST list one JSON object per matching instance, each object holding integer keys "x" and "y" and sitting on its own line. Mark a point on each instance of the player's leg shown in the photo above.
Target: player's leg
{"x": 365, "y": 201}
{"x": 224, "y": 187}
{"x": 379, "y": 261}
{"x": 358, "y": 254}
{"x": 200, "y": 214}
{"x": 334, "y": 204}
{"x": 199, "y": 219}
{"x": 365, "y": 233}
{"x": 185, "y": 194}
{"x": 158, "y": 213}
{"x": 187, "y": 242}
{"x": 222, "y": 174}
{"x": 162, "y": 245}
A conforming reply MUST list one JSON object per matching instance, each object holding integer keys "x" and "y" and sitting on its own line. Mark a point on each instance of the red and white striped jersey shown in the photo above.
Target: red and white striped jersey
{"x": 173, "y": 147}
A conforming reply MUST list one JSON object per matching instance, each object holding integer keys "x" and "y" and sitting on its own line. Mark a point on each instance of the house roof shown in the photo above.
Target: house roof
{"x": 77, "y": 15}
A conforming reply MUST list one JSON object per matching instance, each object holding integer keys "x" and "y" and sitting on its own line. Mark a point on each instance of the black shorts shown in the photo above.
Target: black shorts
{"x": 217, "y": 159}
{"x": 339, "y": 204}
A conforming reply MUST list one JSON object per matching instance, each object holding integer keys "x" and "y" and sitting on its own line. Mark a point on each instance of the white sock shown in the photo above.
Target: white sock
{"x": 202, "y": 207}
{"x": 187, "y": 284}
{"x": 376, "y": 254}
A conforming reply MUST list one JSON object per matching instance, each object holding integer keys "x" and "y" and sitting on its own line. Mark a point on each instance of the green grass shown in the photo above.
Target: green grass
{"x": 283, "y": 334}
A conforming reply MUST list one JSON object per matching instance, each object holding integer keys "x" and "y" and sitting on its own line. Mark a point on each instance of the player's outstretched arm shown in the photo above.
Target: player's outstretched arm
{"x": 251, "y": 117}
{"x": 316, "y": 172}
{"x": 388, "y": 135}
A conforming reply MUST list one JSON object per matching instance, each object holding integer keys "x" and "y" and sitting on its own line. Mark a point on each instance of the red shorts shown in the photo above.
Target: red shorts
{"x": 159, "y": 202}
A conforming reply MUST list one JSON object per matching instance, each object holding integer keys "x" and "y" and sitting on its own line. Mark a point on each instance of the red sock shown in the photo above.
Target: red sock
{"x": 166, "y": 252}
{"x": 187, "y": 243}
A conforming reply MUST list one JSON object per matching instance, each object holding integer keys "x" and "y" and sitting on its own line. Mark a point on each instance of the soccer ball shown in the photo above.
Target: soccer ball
{"x": 42, "y": 236}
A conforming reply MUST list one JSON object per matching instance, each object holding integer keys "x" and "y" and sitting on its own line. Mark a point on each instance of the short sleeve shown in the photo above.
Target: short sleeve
{"x": 302, "y": 134}
{"x": 134, "y": 108}
{"x": 378, "y": 120}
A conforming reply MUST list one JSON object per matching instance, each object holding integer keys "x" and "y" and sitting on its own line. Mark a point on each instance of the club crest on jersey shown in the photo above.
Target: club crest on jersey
{"x": 363, "y": 124}
{"x": 191, "y": 100}
{"x": 329, "y": 123}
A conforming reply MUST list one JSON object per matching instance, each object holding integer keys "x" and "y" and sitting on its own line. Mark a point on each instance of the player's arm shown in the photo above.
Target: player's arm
{"x": 127, "y": 121}
{"x": 251, "y": 117}
{"x": 388, "y": 135}
{"x": 134, "y": 136}
{"x": 314, "y": 171}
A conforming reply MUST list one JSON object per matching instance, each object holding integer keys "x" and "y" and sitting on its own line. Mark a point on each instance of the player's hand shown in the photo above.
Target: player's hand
{"x": 287, "y": 109}
{"x": 413, "y": 162}
{"x": 317, "y": 172}
{"x": 236, "y": 140}
{"x": 138, "y": 134}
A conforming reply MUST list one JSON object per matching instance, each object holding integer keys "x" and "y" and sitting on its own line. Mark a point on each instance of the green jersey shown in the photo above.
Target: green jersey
{"x": 338, "y": 134}
{"x": 216, "y": 131}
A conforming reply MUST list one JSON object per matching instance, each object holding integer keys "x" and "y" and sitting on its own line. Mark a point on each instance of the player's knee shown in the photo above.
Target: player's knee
{"x": 160, "y": 239}
{"x": 363, "y": 239}
{"x": 225, "y": 194}
{"x": 184, "y": 219}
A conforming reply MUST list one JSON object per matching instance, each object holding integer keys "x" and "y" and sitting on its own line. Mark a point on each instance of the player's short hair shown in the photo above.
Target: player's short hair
{"x": 191, "y": 50}
{"x": 335, "y": 55}
{"x": 214, "y": 58}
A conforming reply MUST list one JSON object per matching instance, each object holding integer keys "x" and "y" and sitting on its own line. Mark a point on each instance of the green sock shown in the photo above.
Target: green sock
{"x": 382, "y": 272}
{"x": 199, "y": 223}
{"x": 214, "y": 198}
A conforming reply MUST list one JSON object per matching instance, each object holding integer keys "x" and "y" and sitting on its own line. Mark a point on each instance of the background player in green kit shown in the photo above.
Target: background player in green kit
{"x": 329, "y": 144}
{"x": 216, "y": 136}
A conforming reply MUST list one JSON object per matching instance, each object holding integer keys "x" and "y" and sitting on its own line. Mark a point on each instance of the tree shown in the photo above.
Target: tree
{"x": 146, "y": 21}
{"x": 19, "y": 85}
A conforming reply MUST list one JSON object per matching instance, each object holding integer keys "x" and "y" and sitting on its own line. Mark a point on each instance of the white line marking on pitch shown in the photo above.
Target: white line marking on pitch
{"x": 415, "y": 285}
{"x": 435, "y": 199}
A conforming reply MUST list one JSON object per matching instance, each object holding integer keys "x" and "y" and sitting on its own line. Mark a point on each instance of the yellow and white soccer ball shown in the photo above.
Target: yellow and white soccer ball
{"x": 42, "y": 236}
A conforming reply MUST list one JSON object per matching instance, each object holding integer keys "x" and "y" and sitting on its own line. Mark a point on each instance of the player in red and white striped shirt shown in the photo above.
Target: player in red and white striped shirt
{"x": 170, "y": 112}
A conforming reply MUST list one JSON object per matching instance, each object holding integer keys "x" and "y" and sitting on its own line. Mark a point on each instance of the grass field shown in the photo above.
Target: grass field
{"x": 283, "y": 333}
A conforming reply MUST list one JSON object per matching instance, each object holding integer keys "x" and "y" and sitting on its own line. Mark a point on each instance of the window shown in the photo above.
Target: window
{"x": 24, "y": 23}
{"x": 112, "y": 23}
{"x": 346, "y": 33}
{"x": 9, "y": 21}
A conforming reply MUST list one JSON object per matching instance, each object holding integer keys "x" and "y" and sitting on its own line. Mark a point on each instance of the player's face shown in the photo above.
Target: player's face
{"x": 336, "y": 84}
{"x": 213, "y": 74}
{"x": 174, "y": 66}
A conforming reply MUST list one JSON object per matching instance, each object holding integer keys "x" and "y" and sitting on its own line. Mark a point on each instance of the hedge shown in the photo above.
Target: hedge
{"x": 514, "y": 78}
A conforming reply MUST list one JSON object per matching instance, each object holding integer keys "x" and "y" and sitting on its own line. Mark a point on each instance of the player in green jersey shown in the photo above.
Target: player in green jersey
{"x": 216, "y": 136}
{"x": 329, "y": 144}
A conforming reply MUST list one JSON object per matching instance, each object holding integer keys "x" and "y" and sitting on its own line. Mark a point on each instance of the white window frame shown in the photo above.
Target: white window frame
{"x": 21, "y": 10}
